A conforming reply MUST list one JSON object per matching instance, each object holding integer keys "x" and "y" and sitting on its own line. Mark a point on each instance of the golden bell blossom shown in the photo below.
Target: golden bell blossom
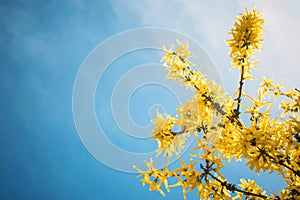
{"x": 226, "y": 128}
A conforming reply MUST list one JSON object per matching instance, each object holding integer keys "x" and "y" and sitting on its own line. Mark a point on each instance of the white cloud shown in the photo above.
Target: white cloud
{"x": 208, "y": 22}
{"x": 279, "y": 56}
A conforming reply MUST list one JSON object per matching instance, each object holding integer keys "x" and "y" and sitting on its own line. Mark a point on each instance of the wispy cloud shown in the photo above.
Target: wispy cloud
{"x": 209, "y": 23}
{"x": 279, "y": 56}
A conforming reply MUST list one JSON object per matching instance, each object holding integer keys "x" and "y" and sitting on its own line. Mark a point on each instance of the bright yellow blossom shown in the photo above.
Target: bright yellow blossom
{"x": 226, "y": 128}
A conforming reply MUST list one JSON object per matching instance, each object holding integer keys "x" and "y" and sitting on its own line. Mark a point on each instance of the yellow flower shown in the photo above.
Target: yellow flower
{"x": 267, "y": 83}
{"x": 146, "y": 179}
{"x": 257, "y": 105}
{"x": 163, "y": 176}
{"x": 251, "y": 186}
{"x": 155, "y": 186}
{"x": 167, "y": 140}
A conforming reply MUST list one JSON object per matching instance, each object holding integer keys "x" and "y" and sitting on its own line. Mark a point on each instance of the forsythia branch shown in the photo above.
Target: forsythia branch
{"x": 218, "y": 122}
{"x": 230, "y": 186}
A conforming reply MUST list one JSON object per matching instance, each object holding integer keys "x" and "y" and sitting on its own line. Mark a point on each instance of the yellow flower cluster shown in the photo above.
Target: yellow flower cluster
{"x": 246, "y": 37}
{"x": 250, "y": 187}
{"x": 159, "y": 177}
{"x": 176, "y": 61}
{"x": 193, "y": 116}
{"x": 166, "y": 138}
{"x": 267, "y": 143}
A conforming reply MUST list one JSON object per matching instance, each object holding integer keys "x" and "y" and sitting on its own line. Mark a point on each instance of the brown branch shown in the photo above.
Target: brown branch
{"x": 216, "y": 105}
{"x": 280, "y": 162}
{"x": 239, "y": 98}
{"x": 179, "y": 132}
{"x": 229, "y": 186}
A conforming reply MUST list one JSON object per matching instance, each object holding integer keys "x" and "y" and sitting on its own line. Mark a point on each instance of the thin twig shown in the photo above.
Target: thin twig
{"x": 239, "y": 98}
{"x": 179, "y": 132}
{"x": 280, "y": 162}
{"x": 229, "y": 186}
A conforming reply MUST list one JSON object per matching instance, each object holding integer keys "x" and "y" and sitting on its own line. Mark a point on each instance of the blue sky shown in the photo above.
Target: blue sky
{"x": 43, "y": 45}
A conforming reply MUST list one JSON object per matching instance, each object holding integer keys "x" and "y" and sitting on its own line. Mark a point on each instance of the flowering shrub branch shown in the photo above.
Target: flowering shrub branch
{"x": 266, "y": 142}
